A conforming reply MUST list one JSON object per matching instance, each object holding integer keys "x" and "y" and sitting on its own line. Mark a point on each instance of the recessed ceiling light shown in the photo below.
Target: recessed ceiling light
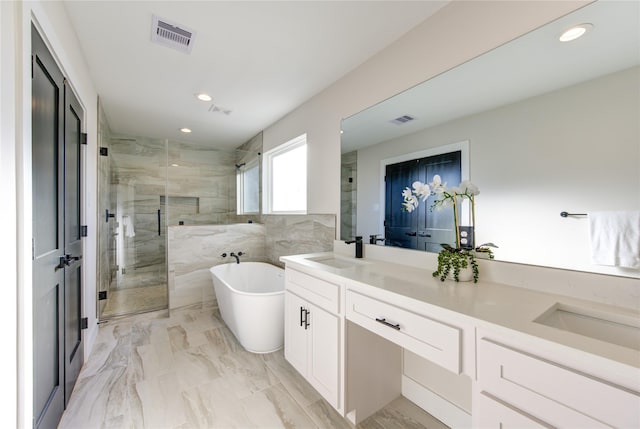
{"x": 175, "y": 165}
{"x": 185, "y": 130}
{"x": 204, "y": 97}
{"x": 574, "y": 32}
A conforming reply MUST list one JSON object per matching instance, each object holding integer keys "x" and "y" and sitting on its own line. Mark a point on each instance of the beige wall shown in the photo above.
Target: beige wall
{"x": 458, "y": 32}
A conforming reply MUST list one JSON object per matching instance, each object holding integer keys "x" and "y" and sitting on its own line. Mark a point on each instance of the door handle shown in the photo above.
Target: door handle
{"x": 304, "y": 317}
{"x": 424, "y": 234}
{"x": 65, "y": 261}
{"x": 68, "y": 259}
{"x": 62, "y": 262}
{"x": 411, "y": 234}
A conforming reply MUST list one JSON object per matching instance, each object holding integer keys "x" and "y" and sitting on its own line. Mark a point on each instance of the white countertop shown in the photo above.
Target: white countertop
{"x": 485, "y": 304}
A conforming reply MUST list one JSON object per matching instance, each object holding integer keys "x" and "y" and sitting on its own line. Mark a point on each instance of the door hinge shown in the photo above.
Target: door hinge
{"x": 102, "y": 295}
{"x": 84, "y": 323}
{"x": 83, "y": 231}
{"x": 83, "y": 138}
{"x": 104, "y": 151}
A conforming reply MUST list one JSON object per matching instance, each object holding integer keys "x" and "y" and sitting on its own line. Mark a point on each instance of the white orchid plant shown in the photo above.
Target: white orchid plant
{"x": 446, "y": 197}
{"x": 450, "y": 260}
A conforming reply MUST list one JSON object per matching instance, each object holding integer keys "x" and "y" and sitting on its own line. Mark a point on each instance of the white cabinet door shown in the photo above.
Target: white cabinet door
{"x": 312, "y": 346}
{"x": 295, "y": 335}
{"x": 324, "y": 352}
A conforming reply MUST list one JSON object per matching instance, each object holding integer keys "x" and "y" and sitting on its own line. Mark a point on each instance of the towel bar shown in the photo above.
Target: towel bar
{"x": 565, "y": 214}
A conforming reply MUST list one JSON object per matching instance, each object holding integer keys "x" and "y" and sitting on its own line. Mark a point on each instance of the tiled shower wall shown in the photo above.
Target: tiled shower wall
{"x": 200, "y": 184}
{"x": 195, "y": 249}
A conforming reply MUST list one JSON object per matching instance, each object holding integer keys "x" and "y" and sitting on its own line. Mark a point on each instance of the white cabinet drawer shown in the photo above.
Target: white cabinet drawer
{"x": 553, "y": 393}
{"x": 322, "y": 293}
{"x": 429, "y": 338}
{"x": 492, "y": 413}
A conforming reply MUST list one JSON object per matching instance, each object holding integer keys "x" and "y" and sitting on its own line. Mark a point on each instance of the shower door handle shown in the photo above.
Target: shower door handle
{"x": 159, "y": 230}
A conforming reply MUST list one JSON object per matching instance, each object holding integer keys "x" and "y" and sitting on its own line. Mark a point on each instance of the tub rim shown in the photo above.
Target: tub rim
{"x": 239, "y": 292}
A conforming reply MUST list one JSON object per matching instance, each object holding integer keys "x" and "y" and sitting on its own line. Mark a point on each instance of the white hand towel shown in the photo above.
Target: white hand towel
{"x": 615, "y": 238}
{"x": 128, "y": 226}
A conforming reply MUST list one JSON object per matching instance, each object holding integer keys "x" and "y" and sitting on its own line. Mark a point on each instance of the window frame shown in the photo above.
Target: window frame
{"x": 267, "y": 174}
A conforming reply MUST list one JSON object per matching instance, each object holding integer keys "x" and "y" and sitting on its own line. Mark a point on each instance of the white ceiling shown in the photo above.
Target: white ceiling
{"x": 259, "y": 59}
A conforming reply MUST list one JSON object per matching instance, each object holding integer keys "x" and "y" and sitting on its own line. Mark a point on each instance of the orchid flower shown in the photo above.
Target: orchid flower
{"x": 446, "y": 197}
{"x": 421, "y": 190}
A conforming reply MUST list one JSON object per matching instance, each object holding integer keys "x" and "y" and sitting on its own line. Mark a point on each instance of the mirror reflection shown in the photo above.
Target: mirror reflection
{"x": 551, "y": 126}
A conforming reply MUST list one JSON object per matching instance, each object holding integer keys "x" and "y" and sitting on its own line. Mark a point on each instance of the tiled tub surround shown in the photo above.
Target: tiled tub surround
{"x": 196, "y": 248}
{"x": 188, "y": 371}
{"x": 292, "y": 234}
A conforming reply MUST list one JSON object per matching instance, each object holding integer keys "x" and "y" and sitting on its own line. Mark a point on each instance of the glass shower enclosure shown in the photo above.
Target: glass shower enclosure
{"x": 147, "y": 186}
{"x": 134, "y": 267}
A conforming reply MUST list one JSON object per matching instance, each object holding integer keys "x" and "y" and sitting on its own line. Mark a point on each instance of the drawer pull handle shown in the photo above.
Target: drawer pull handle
{"x": 391, "y": 325}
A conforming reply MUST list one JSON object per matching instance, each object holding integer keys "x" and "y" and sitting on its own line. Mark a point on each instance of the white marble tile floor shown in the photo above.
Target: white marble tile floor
{"x": 150, "y": 371}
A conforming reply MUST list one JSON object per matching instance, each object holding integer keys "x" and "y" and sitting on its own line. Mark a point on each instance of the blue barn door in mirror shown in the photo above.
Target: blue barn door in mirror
{"x": 421, "y": 229}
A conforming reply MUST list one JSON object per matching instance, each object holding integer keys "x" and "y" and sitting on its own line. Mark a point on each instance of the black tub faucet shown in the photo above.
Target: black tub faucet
{"x": 358, "y": 241}
{"x": 237, "y": 256}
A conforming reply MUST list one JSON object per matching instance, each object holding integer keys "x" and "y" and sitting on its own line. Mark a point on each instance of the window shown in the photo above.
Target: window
{"x": 285, "y": 178}
{"x": 248, "y": 185}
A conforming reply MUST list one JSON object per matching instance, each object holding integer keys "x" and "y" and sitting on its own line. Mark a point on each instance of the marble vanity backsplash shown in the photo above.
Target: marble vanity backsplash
{"x": 193, "y": 249}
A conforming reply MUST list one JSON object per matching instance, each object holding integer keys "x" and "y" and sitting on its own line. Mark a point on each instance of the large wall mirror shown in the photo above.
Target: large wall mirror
{"x": 551, "y": 126}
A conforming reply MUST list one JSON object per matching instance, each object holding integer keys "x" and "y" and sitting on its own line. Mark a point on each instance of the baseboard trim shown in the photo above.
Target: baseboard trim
{"x": 434, "y": 404}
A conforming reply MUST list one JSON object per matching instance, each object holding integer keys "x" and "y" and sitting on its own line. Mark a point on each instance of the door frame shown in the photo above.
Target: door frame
{"x": 462, "y": 146}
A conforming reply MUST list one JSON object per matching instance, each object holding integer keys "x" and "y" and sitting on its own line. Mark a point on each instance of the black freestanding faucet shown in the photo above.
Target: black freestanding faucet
{"x": 358, "y": 241}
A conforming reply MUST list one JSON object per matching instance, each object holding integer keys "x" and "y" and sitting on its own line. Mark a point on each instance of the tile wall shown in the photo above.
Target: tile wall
{"x": 194, "y": 249}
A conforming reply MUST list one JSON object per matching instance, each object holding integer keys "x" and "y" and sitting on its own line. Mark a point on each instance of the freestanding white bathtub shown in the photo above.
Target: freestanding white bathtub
{"x": 251, "y": 300}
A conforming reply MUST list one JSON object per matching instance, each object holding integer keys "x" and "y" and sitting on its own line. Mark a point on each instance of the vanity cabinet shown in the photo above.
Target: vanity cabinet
{"x": 313, "y": 332}
{"x": 519, "y": 388}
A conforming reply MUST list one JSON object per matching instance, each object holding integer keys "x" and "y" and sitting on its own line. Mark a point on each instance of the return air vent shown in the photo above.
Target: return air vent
{"x": 402, "y": 120}
{"x": 171, "y": 35}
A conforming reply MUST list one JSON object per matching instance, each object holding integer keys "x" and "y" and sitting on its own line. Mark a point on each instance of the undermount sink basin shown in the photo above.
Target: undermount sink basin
{"x": 337, "y": 262}
{"x": 613, "y": 328}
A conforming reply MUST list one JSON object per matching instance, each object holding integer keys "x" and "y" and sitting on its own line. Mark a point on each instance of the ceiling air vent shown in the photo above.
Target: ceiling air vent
{"x": 402, "y": 120}
{"x": 171, "y": 35}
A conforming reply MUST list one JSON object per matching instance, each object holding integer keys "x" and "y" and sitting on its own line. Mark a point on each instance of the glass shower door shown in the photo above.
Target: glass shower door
{"x": 137, "y": 227}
